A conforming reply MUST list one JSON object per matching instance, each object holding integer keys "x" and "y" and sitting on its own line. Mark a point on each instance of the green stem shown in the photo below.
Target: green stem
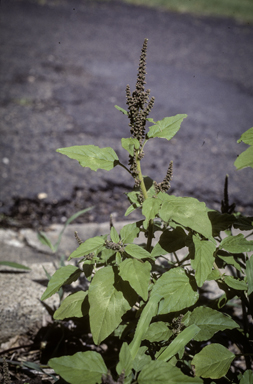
{"x": 140, "y": 177}
{"x": 145, "y": 195}
{"x": 123, "y": 166}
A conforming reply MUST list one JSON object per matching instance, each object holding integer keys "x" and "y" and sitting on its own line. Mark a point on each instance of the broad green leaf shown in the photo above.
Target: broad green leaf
{"x": 188, "y": 212}
{"x": 237, "y": 244}
{"x": 114, "y": 235}
{"x": 235, "y": 283}
{"x": 130, "y": 144}
{"x": 220, "y": 221}
{"x": 158, "y": 332}
{"x": 244, "y": 223}
{"x": 247, "y": 137}
{"x": 141, "y": 359}
{"x": 63, "y": 276}
{"x": 106, "y": 254}
{"x": 213, "y": 361}
{"x": 209, "y": 321}
{"x": 137, "y": 274}
{"x": 125, "y": 360}
{"x": 247, "y": 377}
{"x": 245, "y": 159}
{"x": 14, "y": 265}
{"x": 175, "y": 289}
{"x": 170, "y": 241}
{"x": 129, "y": 232}
{"x": 136, "y": 251}
{"x": 120, "y": 109}
{"x": 249, "y": 274}
{"x": 134, "y": 198}
{"x": 109, "y": 300}
{"x": 159, "y": 372}
{"x": 149, "y": 311}
{"x": 82, "y": 368}
{"x": 130, "y": 209}
{"x": 92, "y": 156}
{"x": 71, "y": 306}
{"x": 203, "y": 259}
{"x": 179, "y": 342}
{"x": 214, "y": 275}
{"x": 150, "y": 208}
{"x": 167, "y": 127}
{"x": 94, "y": 244}
{"x": 229, "y": 259}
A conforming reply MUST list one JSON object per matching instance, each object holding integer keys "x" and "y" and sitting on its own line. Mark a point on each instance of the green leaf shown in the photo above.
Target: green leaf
{"x": 235, "y": 283}
{"x": 120, "y": 109}
{"x": 114, "y": 235}
{"x": 42, "y": 237}
{"x": 130, "y": 144}
{"x": 188, "y": 212}
{"x": 125, "y": 360}
{"x": 247, "y": 377}
{"x": 247, "y": 137}
{"x": 167, "y": 127}
{"x": 179, "y": 342}
{"x": 245, "y": 159}
{"x": 158, "y": 332}
{"x": 137, "y": 274}
{"x": 92, "y": 156}
{"x": 150, "y": 208}
{"x": 236, "y": 244}
{"x": 129, "y": 232}
{"x": 244, "y": 223}
{"x": 94, "y": 244}
{"x": 213, "y": 361}
{"x": 203, "y": 259}
{"x": 210, "y": 321}
{"x": 149, "y": 311}
{"x": 159, "y": 372}
{"x": 169, "y": 242}
{"x": 214, "y": 275}
{"x": 249, "y": 274}
{"x": 134, "y": 198}
{"x": 141, "y": 359}
{"x": 175, "y": 289}
{"x": 130, "y": 209}
{"x": 14, "y": 265}
{"x": 63, "y": 276}
{"x": 220, "y": 221}
{"x": 136, "y": 251}
{"x": 109, "y": 301}
{"x": 71, "y": 306}
{"x": 82, "y": 368}
{"x": 230, "y": 260}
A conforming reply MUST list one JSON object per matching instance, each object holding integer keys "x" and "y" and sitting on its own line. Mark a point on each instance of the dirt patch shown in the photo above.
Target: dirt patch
{"x": 40, "y": 213}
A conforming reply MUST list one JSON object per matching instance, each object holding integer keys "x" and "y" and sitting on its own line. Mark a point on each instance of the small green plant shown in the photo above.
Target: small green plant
{"x": 152, "y": 296}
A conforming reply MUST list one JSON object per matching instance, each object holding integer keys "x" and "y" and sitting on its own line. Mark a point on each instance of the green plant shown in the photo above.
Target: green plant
{"x": 152, "y": 296}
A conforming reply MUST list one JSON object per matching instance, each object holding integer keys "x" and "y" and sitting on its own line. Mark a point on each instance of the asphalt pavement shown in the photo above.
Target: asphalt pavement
{"x": 64, "y": 65}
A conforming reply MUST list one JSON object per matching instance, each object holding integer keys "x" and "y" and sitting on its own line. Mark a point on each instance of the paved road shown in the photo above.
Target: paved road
{"x": 63, "y": 67}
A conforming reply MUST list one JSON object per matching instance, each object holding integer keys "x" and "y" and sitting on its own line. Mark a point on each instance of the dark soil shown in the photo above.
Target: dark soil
{"x": 36, "y": 213}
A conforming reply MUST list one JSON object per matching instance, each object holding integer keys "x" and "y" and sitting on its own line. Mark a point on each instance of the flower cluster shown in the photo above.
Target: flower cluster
{"x": 164, "y": 186}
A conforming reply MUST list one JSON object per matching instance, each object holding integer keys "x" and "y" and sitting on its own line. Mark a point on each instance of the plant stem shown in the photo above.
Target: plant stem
{"x": 123, "y": 166}
{"x": 145, "y": 196}
{"x": 140, "y": 177}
